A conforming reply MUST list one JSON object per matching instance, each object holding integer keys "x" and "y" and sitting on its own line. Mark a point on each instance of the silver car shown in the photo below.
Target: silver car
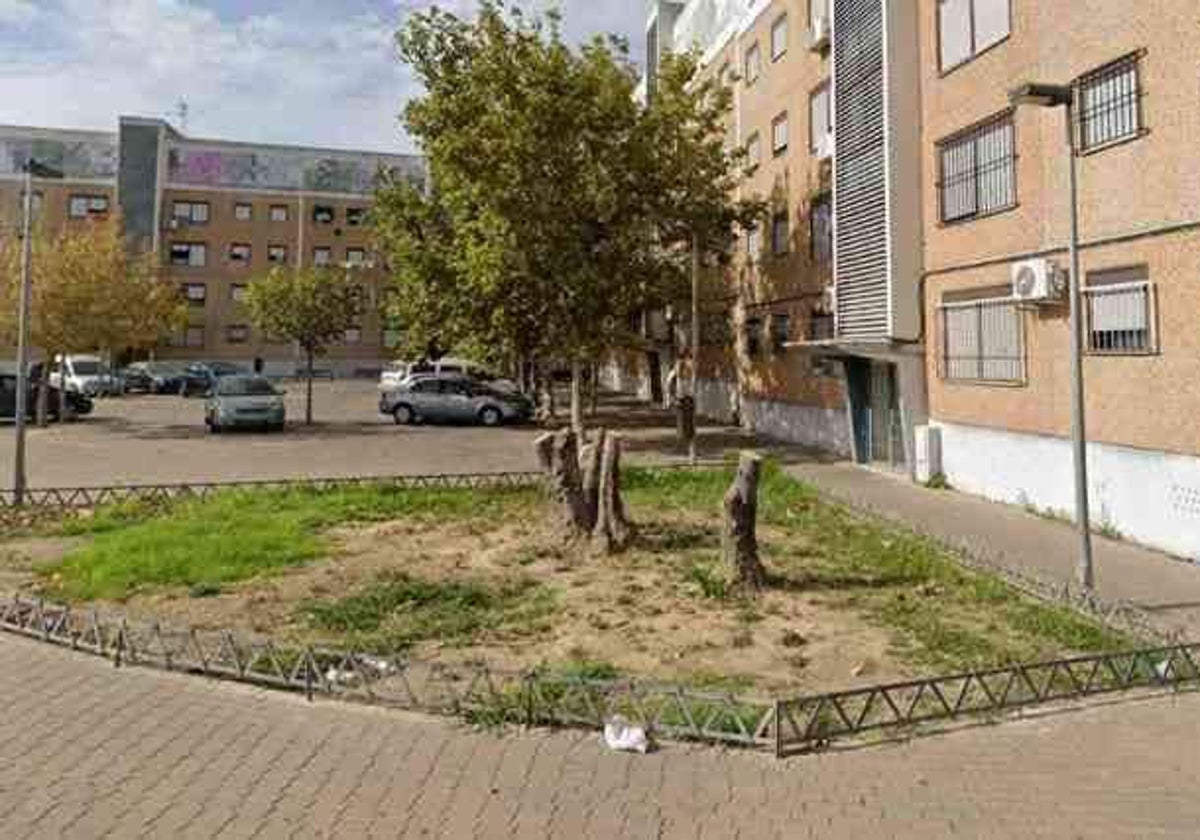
{"x": 452, "y": 399}
{"x": 244, "y": 401}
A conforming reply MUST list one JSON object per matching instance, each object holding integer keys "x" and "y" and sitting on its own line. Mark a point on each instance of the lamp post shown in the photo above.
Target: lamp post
{"x": 32, "y": 167}
{"x": 1062, "y": 96}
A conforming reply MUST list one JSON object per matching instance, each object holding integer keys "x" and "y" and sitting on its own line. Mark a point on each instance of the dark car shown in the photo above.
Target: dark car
{"x": 153, "y": 377}
{"x": 199, "y": 378}
{"x": 77, "y": 404}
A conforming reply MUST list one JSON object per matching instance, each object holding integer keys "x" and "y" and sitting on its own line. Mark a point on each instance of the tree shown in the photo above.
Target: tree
{"x": 311, "y": 307}
{"x": 542, "y": 197}
{"x": 89, "y": 293}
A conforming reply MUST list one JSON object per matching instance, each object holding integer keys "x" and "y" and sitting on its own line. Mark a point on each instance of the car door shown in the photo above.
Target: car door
{"x": 459, "y": 400}
{"x": 423, "y": 396}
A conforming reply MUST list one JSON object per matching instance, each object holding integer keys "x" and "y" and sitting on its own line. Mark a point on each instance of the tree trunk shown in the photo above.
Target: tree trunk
{"x": 558, "y": 456}
{"x": 613, "y": 532}
{"x": 590, "y": 457}
{"x": 594, "y": 393}
{"x": 685, "y": 422}
{"x": 577, "y": 401}
{"x": 740, "y": 541}
{"x": 308, "y": 390}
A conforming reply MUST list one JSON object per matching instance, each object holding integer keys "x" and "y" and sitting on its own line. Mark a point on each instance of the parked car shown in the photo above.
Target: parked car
{"x": 153, "y": 377}
{"x": 452, "y": 399}
{"x": 77, "y": 404}
{"x": 399, "y": 372}
{"x": 85, "y": 374}
{"x": 200, "y": 377}
{"x": 244, "y": 401}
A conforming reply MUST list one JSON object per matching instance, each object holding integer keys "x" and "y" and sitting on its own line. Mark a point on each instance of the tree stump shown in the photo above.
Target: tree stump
{"x": 740, "y": 538}
{"x": 558, "y": 456}
{"x": 613, "y": 532}
{"x": 590, "y": 456}
{"x": 685, "y": 420}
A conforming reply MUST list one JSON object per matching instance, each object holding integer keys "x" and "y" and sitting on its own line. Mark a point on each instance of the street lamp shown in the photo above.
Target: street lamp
{"x": 1063, "y": 96}
{"x": 31, "y": 168}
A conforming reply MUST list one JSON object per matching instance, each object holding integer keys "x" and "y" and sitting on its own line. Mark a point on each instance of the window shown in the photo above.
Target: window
{"x": 193, "y": 337}
{"x": 780, "y": 331}
{"x": 753, "y": 337}
{"x": 277, "y": 254}
{"x": 779, "y": 37}
{"x": 356, "y": 256}
{"x": 978, "y": 170}
{"x": 237, "y": 292}
{"x": 243, "y": 212}
{"x": 239, "y": 253}
{"x": 754, "y": 243}
{"x": 820, "y": 233}
{"x": 322, "y": 214}
{"x": 195, "y": 293}
{"x": 237, "y": 333}
{"x": 353, "y": 335}
{"x": 753, "y": 151}
{"x": 321, "y": 256}
{"x": 1120, "y": 311}
{"x": 779, "y": 134}
{"x": 189, "y": 254}
{"x": 82, "y": 206}
{"x": 968, "y": 27}
{"x": 753, "y": 64}
{"x": 1109, "y": 104}
{"x": 355, "y": 216}
{"x": 190, "y": 212}
{"x": 820, "y": 118}
{"x": 780, "y": 234}
{"x": 279, "y": 213}
{"x": 983, "y": 341}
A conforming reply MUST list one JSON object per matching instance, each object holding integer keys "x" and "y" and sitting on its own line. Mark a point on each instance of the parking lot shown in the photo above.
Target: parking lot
{"x": 152, "y": 439}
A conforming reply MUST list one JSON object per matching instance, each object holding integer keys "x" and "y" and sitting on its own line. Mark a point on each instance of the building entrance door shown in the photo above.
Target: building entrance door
{"x": 875, "y": 413}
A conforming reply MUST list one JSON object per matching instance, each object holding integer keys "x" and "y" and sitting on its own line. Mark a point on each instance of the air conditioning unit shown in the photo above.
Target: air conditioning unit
{"x": 829, "y": 300}
{"x": 825, "y": 146}
{"x": 1035, "y": 281}
{"x": 818, "y": 33}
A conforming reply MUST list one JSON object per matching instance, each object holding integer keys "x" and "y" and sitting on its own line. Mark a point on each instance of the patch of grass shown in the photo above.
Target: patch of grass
{"x": 397, "y": 610}
{"x": 241, "y": 534}
{"x": 938, "y": 481}
{"x": 708, "y": 583}
{"x": 204, "y": 590}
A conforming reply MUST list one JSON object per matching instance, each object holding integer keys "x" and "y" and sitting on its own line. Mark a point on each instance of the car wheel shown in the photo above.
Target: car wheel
{"x": 490, "y": 416}
{"x": 404, "y": 415}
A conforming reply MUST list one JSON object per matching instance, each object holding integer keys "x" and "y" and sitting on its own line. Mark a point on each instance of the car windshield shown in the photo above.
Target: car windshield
{"x": 245, "y": 386}
{"x": 86, "y": 367}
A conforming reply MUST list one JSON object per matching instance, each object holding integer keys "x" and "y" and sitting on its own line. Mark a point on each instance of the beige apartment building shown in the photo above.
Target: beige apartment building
{"x": 217, "y": 213}
{"x": 945, "y": 347}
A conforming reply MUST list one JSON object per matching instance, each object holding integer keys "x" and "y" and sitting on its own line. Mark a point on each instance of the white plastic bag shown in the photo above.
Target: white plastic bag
{"x": 622, "y": 736}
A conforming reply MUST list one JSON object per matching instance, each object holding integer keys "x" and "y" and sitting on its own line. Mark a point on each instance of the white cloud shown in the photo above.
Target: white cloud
{"x": 18, "y": 13}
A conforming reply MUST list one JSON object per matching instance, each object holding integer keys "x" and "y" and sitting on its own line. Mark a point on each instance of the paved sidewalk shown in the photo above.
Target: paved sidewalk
{"x": 89, "y": 751}
{"x": 1166, "y": 588}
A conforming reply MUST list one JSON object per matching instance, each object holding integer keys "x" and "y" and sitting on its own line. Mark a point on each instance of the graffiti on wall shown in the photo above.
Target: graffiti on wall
{"x": 72, "y": 157}
{"x": 285, "y": 169}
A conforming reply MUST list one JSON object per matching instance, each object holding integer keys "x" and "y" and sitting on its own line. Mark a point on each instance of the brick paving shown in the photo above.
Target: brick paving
{"x": 1168, "y": 589}
{"x": 89, "y": 751}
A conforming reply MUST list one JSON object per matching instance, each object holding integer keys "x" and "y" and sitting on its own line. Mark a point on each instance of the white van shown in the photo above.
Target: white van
{"x": 85, "y": 374}
{"x": 399, "y": 371}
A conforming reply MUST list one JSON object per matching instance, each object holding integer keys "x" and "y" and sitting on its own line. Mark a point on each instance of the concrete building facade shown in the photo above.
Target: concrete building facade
{"x": 942, "y": 306}
{"x": 217, "y": 214}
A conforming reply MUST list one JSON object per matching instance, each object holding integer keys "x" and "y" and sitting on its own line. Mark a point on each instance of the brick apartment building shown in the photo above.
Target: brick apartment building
{"x": 943, "y": 305}
{"x": 217, "y": 213}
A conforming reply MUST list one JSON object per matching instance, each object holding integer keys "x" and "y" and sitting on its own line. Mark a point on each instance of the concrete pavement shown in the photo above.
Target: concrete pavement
{"x": 89, "y": 751}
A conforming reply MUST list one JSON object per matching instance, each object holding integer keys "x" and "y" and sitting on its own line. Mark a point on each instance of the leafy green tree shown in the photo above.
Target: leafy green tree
{"x": 311, "y": 307}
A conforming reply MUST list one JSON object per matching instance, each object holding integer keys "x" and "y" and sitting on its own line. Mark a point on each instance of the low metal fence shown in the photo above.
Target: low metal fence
{"x": 811, "y": 722}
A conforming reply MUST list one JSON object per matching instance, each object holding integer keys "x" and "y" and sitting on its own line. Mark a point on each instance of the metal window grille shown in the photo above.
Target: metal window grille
{"x": 978, "y": 170}
{"x": 821, "y": 230}
{"x": 1120, "y": 318}
{"x": 779, "y": 37}
{"x": 982, "y": 341}
{"x": 1109, "y": 104}
{"x": 779, "y": 134}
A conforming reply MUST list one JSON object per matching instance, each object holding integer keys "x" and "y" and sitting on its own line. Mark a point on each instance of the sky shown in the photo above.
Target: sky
{"x": 308, "y": 72}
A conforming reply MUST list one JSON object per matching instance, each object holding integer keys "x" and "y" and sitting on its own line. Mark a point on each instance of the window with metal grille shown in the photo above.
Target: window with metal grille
{"x": 820, "y": 118}
{"x": 277, "y": 254}
{"x": 982, "y": 341}
{"x": 243, "y": 212}
{"x": 237, "y": 292}
{"x": 279, "y": 213}
{"x": 968, "y": 27}
{"x": 978, "y": 170}
{"x": 82, "y": 206}
{"x": 779, "y": 134}
{"x": 190, "y": 212}
{"x": 781, "y": 234}
{"x": 779, "y": 37}
{"x": 1109, "y": 104}
{"x": 240, "y": 252}
{"x": 1120, "y": 311}
{"x": 189, "y": 254}
{"x": 820, "y": 222}
{"x": 194, "y": 293}
{"x": 753, "y": 64}
{"x": 322, "y": 256}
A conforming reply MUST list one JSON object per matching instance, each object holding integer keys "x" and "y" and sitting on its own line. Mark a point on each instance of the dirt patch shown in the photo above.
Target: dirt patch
{"x": 658, "y": 611}
{"x": 20, "y": 557}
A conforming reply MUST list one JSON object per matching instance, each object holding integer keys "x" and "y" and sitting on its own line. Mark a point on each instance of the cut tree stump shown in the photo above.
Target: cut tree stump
{"x": 590, "y": 456}
{"x": 613, "y": 531}
{"x": 558, "y": 456}
{"x": 740, "y": 537}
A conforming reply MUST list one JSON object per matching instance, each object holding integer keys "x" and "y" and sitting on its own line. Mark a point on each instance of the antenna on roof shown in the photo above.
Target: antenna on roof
{"x": 181, "y": 114}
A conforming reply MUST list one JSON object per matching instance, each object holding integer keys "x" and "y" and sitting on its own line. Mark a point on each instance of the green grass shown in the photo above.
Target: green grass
{"x": 397, "y": 610}
{"x": 241, "y": 534}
